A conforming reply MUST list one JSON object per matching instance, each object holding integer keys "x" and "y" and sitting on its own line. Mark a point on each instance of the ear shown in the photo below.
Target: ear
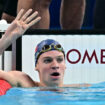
{"x": 36, "y": 67}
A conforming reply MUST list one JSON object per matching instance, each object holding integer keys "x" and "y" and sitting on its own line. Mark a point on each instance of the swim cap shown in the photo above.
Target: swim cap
{"x": 45, "y": 46}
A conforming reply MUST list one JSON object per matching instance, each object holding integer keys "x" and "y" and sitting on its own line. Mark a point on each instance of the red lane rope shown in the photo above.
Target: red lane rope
{"x": 4, "y": 86}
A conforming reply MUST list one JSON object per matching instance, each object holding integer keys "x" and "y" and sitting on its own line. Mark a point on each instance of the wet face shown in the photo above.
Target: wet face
{"x": 51, "y": 67}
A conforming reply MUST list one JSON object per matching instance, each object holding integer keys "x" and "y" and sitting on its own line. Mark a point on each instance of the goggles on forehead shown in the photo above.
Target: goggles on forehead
{"x": 46, "y": 48}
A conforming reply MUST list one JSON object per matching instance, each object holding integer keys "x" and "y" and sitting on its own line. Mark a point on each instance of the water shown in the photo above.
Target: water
{"x": 94, "y": 95}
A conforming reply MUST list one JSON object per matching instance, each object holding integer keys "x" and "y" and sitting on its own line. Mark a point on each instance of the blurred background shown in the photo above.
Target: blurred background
{"x": 55, "y": 10}
{"x": 88, "y": 19}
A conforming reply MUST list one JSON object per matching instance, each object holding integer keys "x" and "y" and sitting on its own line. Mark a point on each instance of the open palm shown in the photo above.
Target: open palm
{"x": 22, "y": 23}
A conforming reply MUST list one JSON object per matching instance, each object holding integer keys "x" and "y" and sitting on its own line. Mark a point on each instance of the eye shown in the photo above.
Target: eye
{"x": 59, "y": 59}
{"x": 48, "y": 60}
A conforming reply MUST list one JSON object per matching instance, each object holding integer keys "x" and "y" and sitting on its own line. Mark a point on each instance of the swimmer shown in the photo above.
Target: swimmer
{"x": 18, "y": 27}
{"x": 49, "y": 57}
{"x": 50, "y": 64}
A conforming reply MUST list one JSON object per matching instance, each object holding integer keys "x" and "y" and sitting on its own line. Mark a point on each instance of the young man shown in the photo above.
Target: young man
{"x": 49, "y": 57}
{"x": 50, "y": 64}
{"x": 71, "y": 12}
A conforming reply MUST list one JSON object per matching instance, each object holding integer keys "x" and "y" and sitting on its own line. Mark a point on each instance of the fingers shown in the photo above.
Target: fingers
{"x": 30, "y": 18}
{"x": 26, "y": 14}
{"x": 20, "y": 14}
{"x": 34, "y": 21}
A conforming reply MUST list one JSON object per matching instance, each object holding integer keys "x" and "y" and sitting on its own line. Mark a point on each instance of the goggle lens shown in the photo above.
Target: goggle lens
{"x": 46, "y": 48}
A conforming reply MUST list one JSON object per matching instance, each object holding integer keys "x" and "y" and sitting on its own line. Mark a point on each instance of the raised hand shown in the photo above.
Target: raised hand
{"x": 22, "y": 23}
{"x": 18, "y": 27}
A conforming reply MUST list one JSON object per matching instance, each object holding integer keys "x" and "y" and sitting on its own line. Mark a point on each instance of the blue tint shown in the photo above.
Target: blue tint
{"x": 55, "y": 14}
{"x": 94, "y": 95}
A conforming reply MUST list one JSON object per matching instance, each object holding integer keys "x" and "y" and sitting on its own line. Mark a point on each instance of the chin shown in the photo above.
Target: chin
{"x": 56, "y": 84}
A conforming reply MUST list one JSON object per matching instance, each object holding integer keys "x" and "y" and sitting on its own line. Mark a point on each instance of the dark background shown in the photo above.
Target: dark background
{"x": 55, "y": 11}
{"x": 88, "y": 19}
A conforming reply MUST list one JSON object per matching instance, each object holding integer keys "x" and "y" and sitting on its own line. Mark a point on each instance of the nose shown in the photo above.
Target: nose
{"x": 55, "y": 68}
{"x": 55, "y": 65}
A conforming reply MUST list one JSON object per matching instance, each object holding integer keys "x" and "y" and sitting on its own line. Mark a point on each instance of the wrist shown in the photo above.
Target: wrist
{"x": 5, "y": 38}
{"x": 4, "y": 43}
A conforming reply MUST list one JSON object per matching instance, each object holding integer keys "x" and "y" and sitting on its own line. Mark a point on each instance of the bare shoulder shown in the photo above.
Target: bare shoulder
{"x": 77, "y": 85}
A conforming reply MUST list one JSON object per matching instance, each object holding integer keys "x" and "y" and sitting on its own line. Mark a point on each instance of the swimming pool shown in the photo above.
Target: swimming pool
{"x": 94, "y": 95}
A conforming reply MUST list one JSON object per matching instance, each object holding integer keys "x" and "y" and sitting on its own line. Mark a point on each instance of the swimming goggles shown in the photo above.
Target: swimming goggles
{"x": 46, "y": 48}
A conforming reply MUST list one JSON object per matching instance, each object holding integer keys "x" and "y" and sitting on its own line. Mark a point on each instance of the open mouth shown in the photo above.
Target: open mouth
{"x": 55, "y": 74}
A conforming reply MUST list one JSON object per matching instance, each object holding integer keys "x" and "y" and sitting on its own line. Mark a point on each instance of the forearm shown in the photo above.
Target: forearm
{"x": 11, "y": 77}
{"x": 4, "y": 43}
{"x": 6, "y": 76}
{"x": 17, "y": 78}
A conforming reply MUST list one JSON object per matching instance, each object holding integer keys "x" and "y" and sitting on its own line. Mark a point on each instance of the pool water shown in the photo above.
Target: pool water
{"x": 94, "y": 95}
